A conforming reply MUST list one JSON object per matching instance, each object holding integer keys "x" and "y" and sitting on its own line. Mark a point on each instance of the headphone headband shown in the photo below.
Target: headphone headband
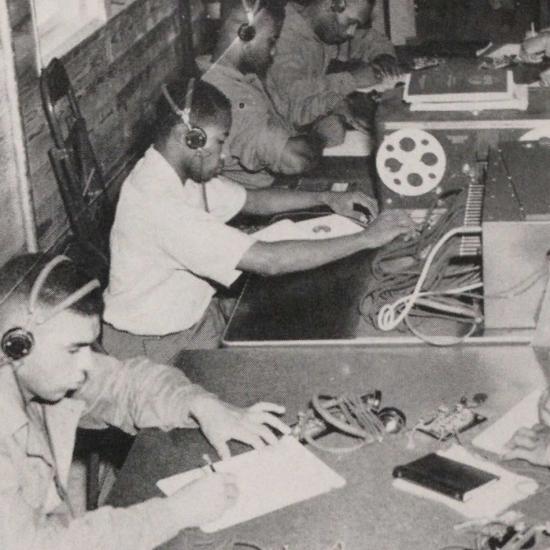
{"x": 196, "y": 137}
{"x": 247, "y": 31}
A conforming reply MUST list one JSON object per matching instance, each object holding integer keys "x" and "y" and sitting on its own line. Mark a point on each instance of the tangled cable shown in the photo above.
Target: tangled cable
{"x": 353, "y": 415}
{"x": 429, "y": 283}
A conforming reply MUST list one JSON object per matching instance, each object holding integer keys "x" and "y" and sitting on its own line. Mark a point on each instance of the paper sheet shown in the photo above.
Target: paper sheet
{"x": 519, "y": 102}
{"x": 525, "y": 413}
{"x": 356, "y": 144}
{"x": 485, "y": 502}
{"x": 322, "y": 227}
{"x": 268, "y": 479}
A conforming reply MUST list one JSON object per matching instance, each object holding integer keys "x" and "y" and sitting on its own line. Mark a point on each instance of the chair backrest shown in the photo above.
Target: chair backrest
{"x": 78, "y": 173}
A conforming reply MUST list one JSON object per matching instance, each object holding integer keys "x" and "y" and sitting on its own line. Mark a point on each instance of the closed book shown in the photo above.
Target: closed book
{"x": 443, "y": 475}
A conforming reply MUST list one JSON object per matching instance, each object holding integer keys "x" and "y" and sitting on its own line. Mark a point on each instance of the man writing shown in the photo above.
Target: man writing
{"x": 51, "y": 382}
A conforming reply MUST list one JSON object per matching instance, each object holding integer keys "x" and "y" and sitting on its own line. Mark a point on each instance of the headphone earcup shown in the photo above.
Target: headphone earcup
{"x": 246, "y": 32}
{"x": 196, "y": 138}
{"x": 17, "y": 343}
{"x": 338, "y": 6}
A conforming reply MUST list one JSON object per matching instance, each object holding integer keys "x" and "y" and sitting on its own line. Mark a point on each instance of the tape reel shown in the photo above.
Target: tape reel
{"x": 411, "y": 162}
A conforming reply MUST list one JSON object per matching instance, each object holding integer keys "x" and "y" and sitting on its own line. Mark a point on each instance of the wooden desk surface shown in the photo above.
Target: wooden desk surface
{"x": 368, "y": 512}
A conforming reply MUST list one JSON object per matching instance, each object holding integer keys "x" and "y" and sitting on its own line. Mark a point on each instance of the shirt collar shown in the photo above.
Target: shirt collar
{"x": 12, "y": 407}
{"x": 62, "y": 418}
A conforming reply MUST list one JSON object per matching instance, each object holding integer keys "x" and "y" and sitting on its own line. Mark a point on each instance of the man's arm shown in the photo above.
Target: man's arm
{"x": 301, "y": 94}
{"x": 276, "y": 258}
{"x": 261, "y": 139}
{"x": 300, "y": 154}
{"x": 368, "y": 44}
{"x": 23, "y": 527}
{"x": 137, "y": 394}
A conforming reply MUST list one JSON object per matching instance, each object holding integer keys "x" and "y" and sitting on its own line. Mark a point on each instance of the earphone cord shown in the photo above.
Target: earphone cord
{"x": 203, "y": 186}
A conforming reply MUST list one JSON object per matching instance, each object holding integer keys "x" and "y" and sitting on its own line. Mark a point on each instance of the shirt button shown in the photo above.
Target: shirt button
{"x": 241, "y": 105}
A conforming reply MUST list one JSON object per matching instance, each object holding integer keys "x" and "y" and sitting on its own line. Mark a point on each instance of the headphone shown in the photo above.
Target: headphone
{"x": 195, "y": 137}
{"x": 338, "y": 6}
{"x": 247, "y": 31}
{"x": 18, "y": 342}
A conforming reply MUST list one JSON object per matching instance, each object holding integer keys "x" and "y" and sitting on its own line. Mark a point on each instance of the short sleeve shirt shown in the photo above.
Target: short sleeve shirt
{"x": 166, "y": 249}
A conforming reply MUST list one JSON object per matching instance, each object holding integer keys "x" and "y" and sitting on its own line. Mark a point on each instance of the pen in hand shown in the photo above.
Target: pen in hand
{"x": 209, "y": 463}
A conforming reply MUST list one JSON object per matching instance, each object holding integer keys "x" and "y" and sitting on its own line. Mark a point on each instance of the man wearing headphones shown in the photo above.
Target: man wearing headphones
{"x": 171, "y": 245}
{"x": 51, "y": 381}
{"x": 261, "y": 143}
{"x": 314, "y": 35}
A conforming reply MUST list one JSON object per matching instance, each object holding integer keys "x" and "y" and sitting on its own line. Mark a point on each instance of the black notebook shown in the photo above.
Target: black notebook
{"x": 443, "y": 475}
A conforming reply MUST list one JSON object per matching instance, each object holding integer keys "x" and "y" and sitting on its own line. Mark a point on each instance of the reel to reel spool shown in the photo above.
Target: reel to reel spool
{"x": 411, "y": 162}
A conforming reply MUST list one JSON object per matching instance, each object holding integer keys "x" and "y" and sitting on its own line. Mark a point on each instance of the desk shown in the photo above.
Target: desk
{"x": 368, "y": 513}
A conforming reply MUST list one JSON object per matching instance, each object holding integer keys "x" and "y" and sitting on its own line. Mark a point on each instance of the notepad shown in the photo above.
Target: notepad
{"x": 268, "y": 479}
{"x": 523, "y": 414}
{"x": 322, "y": 227}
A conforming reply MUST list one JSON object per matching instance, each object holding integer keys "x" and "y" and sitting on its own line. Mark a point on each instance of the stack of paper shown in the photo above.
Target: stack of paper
{"x": 524, "y": 414}
{"x": 455, "y": 89}
{"x": 322, "y": 227}
{"x": 268, "y": 479}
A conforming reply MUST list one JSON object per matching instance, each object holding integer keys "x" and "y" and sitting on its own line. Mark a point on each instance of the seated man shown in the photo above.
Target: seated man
{"x": 315, "y": 33}
{"x": 261, "y": 142}
{"x": 51, "y": 381}
{"x": 170, "y": 243}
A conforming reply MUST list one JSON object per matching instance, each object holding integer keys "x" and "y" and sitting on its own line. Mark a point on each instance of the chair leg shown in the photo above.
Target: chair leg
{"x": 92, "y": 481}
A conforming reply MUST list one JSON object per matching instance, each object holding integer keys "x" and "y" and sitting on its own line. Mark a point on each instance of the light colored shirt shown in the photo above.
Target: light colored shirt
{"x": 166, "y": 249}
{"x": 131, "y": 395}
{"x": 298, "y": 81}
{"x": 258, "y": 133}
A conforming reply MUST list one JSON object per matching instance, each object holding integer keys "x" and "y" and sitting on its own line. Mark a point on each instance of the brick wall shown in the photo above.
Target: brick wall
{"x": 117, "y": 73}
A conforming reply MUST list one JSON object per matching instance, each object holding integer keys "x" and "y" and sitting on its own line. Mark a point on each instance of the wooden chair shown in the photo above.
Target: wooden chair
{"x": 78, "y": 173}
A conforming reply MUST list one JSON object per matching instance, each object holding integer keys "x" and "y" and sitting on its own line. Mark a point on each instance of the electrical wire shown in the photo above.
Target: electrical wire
{"x": 388, "y": 319}
{"x": 427, "y": 281}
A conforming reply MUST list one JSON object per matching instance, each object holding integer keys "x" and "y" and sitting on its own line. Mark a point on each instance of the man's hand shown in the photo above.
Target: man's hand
{"x": 205, "y": 499}
{"x": 357, "y": 110}
{"x": 345, "y": 204}
{"x": 365, "y": 76}
{"x": 530, "y": 444}
{"x": 389, "y": 225}
{"x": 386, "y": 66}
{"x": 221, "y": 422}
{"x": 330, "y": 129}
{"x": 533, "y": 49}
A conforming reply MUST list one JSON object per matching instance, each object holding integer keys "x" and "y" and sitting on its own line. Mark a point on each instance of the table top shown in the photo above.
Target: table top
{"x": 367, "y": 512}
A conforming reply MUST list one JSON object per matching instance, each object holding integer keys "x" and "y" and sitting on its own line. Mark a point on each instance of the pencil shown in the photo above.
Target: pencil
{"x": 209, "y": 463}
